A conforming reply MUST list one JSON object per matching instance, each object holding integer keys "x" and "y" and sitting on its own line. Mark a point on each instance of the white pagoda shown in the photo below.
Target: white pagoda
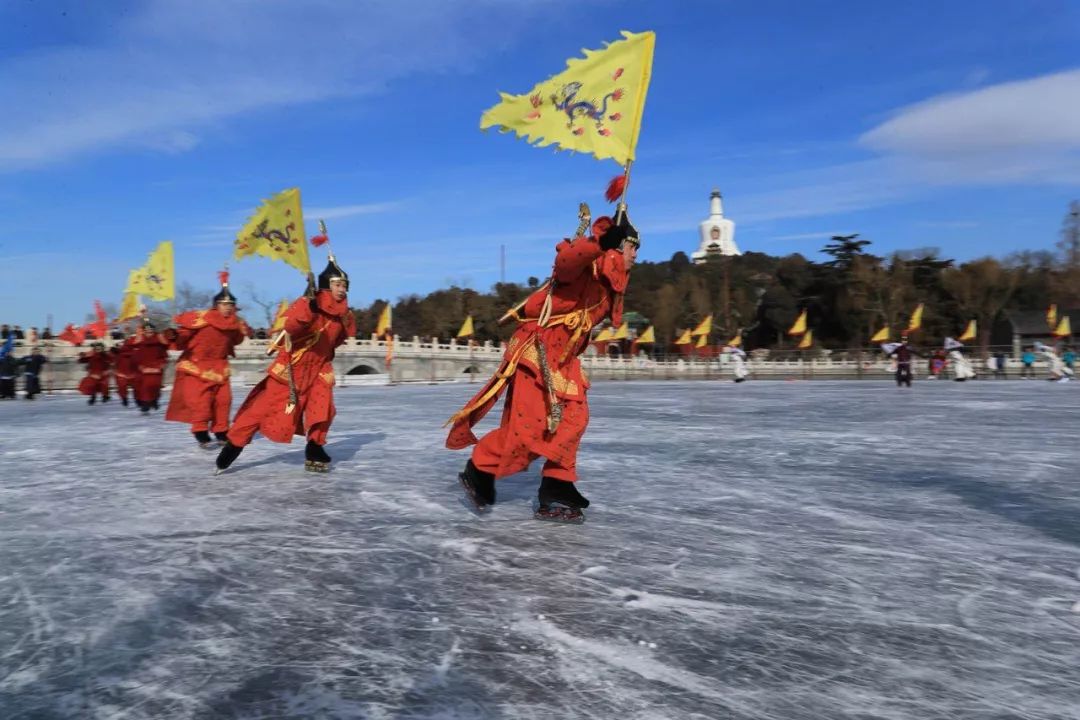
{"x": 717, "y": 232}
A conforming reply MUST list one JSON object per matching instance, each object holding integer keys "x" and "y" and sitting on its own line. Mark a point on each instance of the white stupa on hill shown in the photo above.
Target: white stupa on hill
{"x": 717, "y": 232}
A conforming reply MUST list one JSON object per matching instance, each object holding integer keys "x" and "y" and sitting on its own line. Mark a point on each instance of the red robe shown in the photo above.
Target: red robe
{"x": 125, "y": 371}
{"x": 96, "y": 381}
{"x": 201, "y": 394}
{"x": 314, "y": 339}
{"x": 589, "y": 287}
{"x": 151, "y": 355}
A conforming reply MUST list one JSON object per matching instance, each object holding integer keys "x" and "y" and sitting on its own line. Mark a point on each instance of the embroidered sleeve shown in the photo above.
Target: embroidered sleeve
{"x": 571, "y": 259}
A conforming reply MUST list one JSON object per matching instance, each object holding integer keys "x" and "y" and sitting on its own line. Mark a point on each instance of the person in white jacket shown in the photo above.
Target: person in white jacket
{"x": 961, "y": 366}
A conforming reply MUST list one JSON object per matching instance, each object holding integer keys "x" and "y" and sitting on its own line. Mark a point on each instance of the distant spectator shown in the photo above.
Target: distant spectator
{"x": 5, "y": 332}
{"x": 260, "y": 334}
{"x": 18, "y": 333}
{"x": 1028, "y": 370}
{"x": 9, "y": 370}
{"x": 1069, "y": 358}
{"x": 999, "y": 365}
{"x": 46, "y": 334}
{"x": 32, "y": 372}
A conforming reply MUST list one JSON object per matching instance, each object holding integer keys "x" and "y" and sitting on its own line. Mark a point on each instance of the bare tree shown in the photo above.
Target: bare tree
{"x": 268, "y": 305}
{"x": 1070, "y": 237}
{"x": 188, "y": 298}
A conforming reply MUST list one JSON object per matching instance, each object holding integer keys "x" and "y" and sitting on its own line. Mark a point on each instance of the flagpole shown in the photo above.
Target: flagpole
{"x": 626, "y": 189}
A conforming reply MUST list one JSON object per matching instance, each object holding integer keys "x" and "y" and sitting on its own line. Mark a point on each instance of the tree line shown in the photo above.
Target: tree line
{"x": 848, "y": 297}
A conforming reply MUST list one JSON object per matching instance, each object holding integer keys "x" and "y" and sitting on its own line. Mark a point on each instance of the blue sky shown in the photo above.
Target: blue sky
{"x": 954, "y": 125}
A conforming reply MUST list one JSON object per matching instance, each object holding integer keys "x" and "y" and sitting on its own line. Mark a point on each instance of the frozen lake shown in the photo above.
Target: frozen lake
{"x": 768, "y": 550}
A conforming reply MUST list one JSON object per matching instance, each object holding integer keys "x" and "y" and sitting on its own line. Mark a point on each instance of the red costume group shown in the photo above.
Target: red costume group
{"x": 201, "y": 392}
{"x": 546, "y": 410}
{"x": 96, "y": 382}
{"x": 297, "y": 395}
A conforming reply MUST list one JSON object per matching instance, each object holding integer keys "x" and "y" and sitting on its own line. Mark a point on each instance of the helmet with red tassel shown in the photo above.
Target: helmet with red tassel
{"x": 224, "y": 296}
{"x": 616, "y": 189}
{"x": 332, "y": 271}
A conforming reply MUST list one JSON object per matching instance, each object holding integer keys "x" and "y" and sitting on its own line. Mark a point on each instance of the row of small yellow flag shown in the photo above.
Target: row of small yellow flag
{"x": 1058, "y": 328}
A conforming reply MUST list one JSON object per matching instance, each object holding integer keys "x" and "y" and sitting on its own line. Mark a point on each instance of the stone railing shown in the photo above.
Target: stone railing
{"x": 363, "y": 361}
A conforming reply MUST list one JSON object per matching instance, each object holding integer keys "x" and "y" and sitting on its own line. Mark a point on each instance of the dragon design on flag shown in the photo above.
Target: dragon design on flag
{"x": 278, "y": 240}
{"x": 567, "y": 100}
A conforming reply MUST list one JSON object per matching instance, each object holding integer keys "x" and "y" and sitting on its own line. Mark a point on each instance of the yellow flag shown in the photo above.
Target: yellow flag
{"x": 604, "y": 335}
{"x": 384, "y": 321}
{"x": 1051, "y": 317}
{"x": 622, "y": 333}
{"x": 916, "y": 319}
{"x": 594, "y": 106}
{"x": 684, "y": 339}
{"x": 970, "y": 332}
{"x": 800, "y": 325}
{"x": 279, "y": 317}
{"x": 702, "y": 341}
{"x": 807, "y": 340}
{"x": 735, "y": 341}
{"x": 137, "y": 282}
{"x": 129, "y": 307}
{"x": 703, "y": 328}
{"x": 649, "y": 336}
{"x": 881, "y": 335}
{"x": 1064, "y": 329}
{"x": 276, "y": 230}
{"x": 158, "y": 274}
{"x": 466, "y": 328}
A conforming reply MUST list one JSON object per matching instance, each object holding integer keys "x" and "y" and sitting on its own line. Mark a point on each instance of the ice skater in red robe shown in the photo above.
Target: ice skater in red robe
{"x": 546, "y": 410}
{"x": 124, "y": 369}
{"x": 201, "y": 394}
{"x": 297, "y": 395}
{"x": 96, "y": 382}
{"x": 150, "y": 352}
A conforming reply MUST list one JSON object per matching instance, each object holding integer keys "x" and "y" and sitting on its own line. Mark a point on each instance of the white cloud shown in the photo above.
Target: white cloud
{"x": 172, "y": 68}
{"x": 344, "y": 211}
{"x": 1024, "y": 131}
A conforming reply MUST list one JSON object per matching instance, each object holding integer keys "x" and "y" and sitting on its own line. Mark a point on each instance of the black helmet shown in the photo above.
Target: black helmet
{"x": 224, "y": 296}
{"x": 628, "y": 227}
{"x": 333, "y": 271}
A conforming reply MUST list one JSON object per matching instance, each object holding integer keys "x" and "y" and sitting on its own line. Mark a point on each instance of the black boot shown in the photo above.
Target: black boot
{"x": 105, "y": 398}
{"x": 315, "y": 458}
{"x": 222, "y": 437}
{"x": 228, "y": 454}
{"x": 315, "y": 452}
{"x": 203, "y": 438}
{"x": 478, "y": 484}
{"x": 154, "y": 404}
{"x": 144, "y": 408}
{"x": 561, "y": 492}
{"x": 124, "y": 401}
{"x": 92, "y": 400}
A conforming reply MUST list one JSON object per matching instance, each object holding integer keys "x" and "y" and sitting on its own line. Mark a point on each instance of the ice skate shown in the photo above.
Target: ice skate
{"x": 222, "y": 438}
{"x": 479, "y": 486}
{"x": 203, "y": 438}
{"x": 225, "y": 458}
{"x": 560, "y": 501}
{"x": 315, "y": 458}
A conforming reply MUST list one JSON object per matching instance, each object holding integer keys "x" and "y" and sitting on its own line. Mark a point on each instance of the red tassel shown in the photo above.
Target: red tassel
{"x": 319, "y": 240}
{"x": 616, "y": 188}
{"x": 223, "y": 277}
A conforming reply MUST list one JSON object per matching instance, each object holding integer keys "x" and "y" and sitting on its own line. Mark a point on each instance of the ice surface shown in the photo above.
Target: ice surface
{"x": 769, "y": 550}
